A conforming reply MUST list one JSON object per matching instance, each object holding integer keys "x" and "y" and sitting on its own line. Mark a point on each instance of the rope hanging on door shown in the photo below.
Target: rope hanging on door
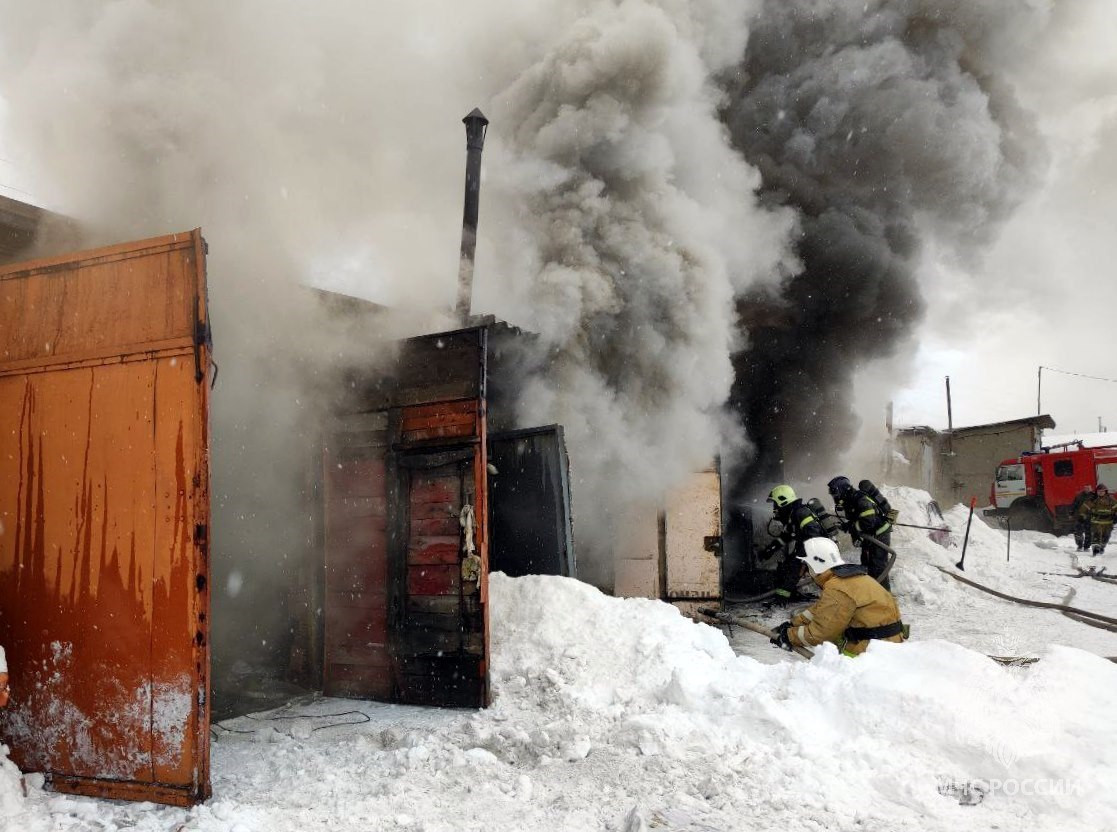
{"x": 471, "y": 563}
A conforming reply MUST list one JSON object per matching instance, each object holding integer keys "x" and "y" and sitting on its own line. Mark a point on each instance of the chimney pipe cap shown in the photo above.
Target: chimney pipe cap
{"x": 475, "y": 116}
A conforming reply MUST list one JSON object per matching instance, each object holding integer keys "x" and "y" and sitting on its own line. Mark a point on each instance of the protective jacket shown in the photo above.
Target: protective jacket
{"x": 863, "y": 514}
{"x": 1100, "y": 510}
{"x": 852, "y": 610}
{"x": 1080, "y": 498}
{"x": 799, "y": 523}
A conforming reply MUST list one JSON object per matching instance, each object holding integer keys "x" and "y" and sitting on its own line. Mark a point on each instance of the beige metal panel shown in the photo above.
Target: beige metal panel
{"x": 636, "y": 578}
{"x": 693, "y": 513}
{"x": 636, "y": 564}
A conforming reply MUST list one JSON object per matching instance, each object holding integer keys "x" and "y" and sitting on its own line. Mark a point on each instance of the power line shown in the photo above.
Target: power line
{"x": 1080, "y": 375}
{"x": 1039, "y": 383}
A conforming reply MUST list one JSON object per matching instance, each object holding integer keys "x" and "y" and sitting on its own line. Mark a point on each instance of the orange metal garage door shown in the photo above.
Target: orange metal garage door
{"x": 104, "y": 516}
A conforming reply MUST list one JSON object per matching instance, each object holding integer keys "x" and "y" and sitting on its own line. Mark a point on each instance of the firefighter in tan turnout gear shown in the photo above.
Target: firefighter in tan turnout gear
{"x": 852, "y": 610}
{"x": 1100, "y": 513}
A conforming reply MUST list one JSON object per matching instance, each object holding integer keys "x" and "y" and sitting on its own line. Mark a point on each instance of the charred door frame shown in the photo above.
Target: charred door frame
{"x": 435, "y": 404}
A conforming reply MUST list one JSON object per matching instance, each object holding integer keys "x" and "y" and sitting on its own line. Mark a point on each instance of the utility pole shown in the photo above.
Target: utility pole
{"x": 949, "y": 411}
{"x": 948, "y": 463}
{"x": 1039, "y": 391}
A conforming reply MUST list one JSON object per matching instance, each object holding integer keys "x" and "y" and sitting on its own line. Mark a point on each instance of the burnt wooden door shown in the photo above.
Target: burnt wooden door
{"x": 406, "y": 494}
{"x": 104, "y": 516}
{"x": 357, "y": 590}
{"x": 440, "y": 546}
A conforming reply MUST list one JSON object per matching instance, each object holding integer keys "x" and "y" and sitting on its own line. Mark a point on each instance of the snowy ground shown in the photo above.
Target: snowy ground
{"x": 622, "y": 714}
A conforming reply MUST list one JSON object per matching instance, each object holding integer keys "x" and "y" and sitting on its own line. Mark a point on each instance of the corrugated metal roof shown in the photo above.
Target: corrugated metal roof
{"x": 1044, "y": 422}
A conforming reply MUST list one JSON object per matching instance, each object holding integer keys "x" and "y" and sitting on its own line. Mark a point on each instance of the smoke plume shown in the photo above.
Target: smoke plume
{"x": 887, "y": 125}
{"x": 637, "y": 227}
{"x": 682, "y": 197}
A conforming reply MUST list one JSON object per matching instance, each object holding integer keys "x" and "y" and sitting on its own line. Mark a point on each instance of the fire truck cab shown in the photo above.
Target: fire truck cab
{"x": 1036, "y": 490}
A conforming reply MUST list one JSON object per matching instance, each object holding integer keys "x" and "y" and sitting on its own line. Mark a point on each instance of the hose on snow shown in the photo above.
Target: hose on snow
{"x": 1092, "y": 618}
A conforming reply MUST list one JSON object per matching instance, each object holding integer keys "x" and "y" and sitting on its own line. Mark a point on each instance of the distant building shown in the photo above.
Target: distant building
{"x": 954, "y": 465}
{"x": 26, "y": 231}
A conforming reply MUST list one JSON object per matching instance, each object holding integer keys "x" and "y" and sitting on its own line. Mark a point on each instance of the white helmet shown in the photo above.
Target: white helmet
{"x": 821, "y": 554}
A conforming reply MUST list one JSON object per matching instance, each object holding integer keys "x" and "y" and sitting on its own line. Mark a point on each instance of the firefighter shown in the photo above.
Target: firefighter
{"x": 863, "y": 514}
{"x": 852, "y": 610}
{"x": 1100, "y": 512}
{"x": 1081, "y": 523}
{"x": 799, "y": 525}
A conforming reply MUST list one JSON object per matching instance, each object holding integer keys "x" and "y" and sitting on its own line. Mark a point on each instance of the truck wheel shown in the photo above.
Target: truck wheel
{"x": 1029, "y": 516}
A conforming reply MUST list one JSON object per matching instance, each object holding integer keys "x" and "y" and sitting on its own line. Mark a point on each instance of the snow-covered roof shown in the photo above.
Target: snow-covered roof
{"x": 1090, "y": 440}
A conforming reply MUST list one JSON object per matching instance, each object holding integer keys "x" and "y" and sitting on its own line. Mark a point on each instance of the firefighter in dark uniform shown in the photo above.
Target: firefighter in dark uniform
{"x": 1081, "y": 523}
{"x": 799, "y": 525}
{"x": 865, "y": 511}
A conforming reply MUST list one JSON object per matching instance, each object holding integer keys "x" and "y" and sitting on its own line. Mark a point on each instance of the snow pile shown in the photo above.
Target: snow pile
{"x": 1037, "y": 567}
{"x": 838, "y": 741}
{"x": 14, "y": 809}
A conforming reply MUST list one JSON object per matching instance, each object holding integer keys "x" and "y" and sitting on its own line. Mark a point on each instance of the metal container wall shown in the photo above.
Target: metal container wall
{"x": 530, "y": 502}
{"x": 691, "y": 522}
{"x": 104, "y": 516}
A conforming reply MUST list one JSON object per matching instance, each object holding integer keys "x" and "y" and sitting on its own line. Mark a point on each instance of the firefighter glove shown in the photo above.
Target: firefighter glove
{"x": 893, "y": 516}
{"x": 779, "y": 636}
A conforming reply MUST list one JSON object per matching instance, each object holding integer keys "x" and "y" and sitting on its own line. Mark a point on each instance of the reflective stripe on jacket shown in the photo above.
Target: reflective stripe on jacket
{"x": 864, "y": 515}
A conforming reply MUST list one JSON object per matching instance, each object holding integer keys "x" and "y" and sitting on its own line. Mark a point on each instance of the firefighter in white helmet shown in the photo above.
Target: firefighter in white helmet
{"x": 852, "y": 610}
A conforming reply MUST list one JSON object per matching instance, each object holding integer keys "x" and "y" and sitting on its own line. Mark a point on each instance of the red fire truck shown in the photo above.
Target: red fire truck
{"x": 1035, "y": 490}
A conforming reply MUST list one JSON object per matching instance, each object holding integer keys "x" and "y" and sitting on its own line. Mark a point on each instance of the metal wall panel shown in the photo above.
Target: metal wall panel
{"x": 692, "y": 524}
{"x": 104, "y": 515}
{"x": 531, "y": 528}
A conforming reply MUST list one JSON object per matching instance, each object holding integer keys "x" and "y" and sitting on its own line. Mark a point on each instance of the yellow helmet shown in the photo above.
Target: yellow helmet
{"x": 781, "y": 495}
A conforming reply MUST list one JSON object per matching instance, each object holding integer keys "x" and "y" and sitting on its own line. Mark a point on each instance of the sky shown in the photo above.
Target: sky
{"x": 1046, "y": 291}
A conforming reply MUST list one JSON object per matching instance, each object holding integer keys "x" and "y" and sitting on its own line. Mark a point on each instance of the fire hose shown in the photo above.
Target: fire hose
{"x": 928, "y": 528}
{"x": 1103, "y": 578}
{"x": 1084, "y": 616}
{"x": 883, "y": 576}
{"x": 745, "y": 624}
{"x": 1071, "y": 592}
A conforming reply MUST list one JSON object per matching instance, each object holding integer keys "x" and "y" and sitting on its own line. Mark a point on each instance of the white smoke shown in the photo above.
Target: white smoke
{"x": 324, "y": 139}
{"x": 634, "y": 227}
{"x": 617, "y": 219}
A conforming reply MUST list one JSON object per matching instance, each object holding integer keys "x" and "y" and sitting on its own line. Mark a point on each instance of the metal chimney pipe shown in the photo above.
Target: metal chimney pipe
{"x": 475, "y": 126}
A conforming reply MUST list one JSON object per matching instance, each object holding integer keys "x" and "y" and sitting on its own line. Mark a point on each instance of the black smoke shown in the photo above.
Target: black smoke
{"x": 885, "y": 124}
